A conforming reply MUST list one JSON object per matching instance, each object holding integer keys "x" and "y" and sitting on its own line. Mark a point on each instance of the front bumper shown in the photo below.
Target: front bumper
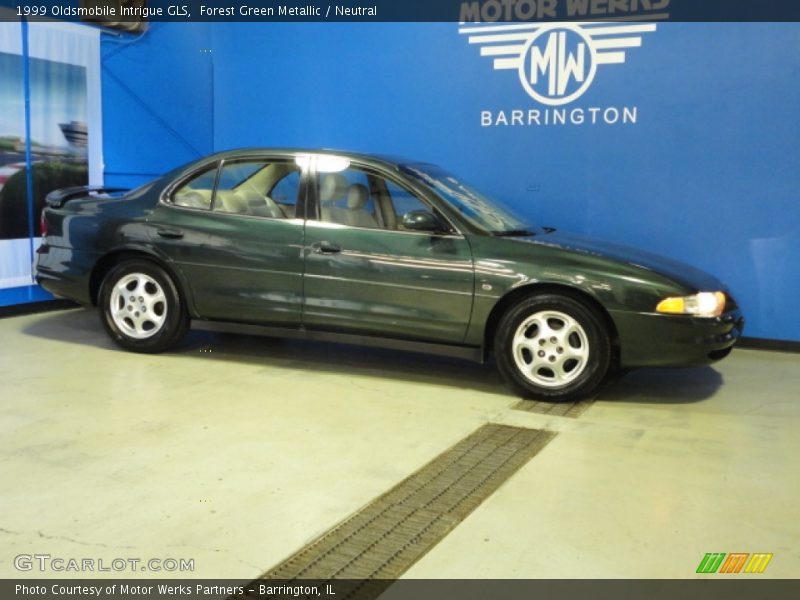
{"x": 659, "y": 340}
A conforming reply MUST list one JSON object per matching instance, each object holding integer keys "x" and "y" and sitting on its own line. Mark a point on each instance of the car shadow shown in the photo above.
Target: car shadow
{"x": 82, "y": 326}
{"x": 662, "y": 386}
{"x": 657, "y": 386}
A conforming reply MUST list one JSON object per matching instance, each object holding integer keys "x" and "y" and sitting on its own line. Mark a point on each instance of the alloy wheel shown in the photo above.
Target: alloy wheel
{"x": 138, "y": 306}
{"x": 550, "y": 349}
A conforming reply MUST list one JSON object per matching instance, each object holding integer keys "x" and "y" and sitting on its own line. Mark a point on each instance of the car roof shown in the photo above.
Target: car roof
{"x": 383, "y": 159}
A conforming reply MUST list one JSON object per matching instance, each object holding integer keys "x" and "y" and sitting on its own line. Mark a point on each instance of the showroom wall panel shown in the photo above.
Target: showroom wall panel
{"x": 14, "y": 235}
{"x": 50, "y": 132}
{"x": 157, "y": 101}
{"x": 704, "y": 168}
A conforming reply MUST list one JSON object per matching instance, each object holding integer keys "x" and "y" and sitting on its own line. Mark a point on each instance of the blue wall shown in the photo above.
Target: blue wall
{"x": 709, "y": 174}
{"x": 157, "y": 101}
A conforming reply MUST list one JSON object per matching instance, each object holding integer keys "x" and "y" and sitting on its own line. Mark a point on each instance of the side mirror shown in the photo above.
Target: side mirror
{"x": 423, "y": 220}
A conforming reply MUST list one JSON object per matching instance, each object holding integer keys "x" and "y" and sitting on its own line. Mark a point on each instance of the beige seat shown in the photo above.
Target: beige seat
{"x": 194, "y": 198}
{"x": 332, "y": 187}
{"x": 247, "y": 201}
{"x": 264, "y": 206}
{"x": 356, "y": 213}
{"x": 232, "y": 202}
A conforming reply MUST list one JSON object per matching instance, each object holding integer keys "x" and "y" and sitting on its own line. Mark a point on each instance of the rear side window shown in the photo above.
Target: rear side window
{"x": 198, "y": 191}
{"x": 235, "y": 174}
{"x": 258, "y": 188}
{"x": 285, "y": 191}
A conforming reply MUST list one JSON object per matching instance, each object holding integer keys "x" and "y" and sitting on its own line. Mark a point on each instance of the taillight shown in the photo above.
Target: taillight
{"x": 43, "y": 225}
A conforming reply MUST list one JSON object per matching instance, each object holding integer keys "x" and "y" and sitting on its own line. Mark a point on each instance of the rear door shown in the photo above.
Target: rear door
{"x": 366, "y": 273}
{"x": 235, "y": 230}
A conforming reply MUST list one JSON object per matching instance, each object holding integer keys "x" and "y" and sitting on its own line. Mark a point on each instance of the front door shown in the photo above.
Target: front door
{"x": 365, "y": 273}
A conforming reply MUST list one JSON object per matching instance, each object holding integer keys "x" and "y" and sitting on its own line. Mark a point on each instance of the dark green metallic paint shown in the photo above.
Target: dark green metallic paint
{"x": 236, "y": 265}
{"x": 445, "y": 288}
{"x": 404, "y": 284}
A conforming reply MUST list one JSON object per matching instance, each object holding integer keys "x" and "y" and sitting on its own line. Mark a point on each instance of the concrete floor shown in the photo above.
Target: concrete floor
{"x": 236, "y": 451}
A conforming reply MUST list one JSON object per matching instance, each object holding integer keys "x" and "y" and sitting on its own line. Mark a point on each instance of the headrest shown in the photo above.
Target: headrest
{"x": 332, "y": 187}
{"x": 357, "y": 196}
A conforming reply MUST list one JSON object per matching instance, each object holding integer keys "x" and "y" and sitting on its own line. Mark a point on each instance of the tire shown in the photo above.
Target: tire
{"x": 552, "y": 347}
{"x": 150, "y": 316}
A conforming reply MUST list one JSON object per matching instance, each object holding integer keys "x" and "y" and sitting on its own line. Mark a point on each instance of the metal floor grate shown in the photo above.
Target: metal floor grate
{"x": 386, "y": 537}
{"x": 560, "y": 409}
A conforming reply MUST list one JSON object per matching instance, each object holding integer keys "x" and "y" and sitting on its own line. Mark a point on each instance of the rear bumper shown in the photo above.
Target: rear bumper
{"x": 651, "y": 339}
{"x": 64, "y": 273}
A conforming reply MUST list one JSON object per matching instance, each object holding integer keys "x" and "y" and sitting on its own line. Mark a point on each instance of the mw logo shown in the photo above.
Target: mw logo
{"x": 736, "y": 562}
{"x": 556, "y": 62}
{"x": 557, "y": 65}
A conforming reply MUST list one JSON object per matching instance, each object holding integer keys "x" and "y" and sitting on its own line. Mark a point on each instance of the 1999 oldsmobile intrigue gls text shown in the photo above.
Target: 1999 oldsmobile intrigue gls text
{"x": 374, "y": 251}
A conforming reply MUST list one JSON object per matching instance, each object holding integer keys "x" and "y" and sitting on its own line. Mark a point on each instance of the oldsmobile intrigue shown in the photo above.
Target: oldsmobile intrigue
{"x": 375, "y": 251}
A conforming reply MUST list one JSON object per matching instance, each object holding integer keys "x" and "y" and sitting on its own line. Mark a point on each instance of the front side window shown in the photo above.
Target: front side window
{"x": 402, "y": 202}
{"x": 360, "y": 198}
{"x": 260, "y": 188}
{"x": 198, "y": 191}
{"x": 348, "y": 197}
{"x": 478, "y": 209}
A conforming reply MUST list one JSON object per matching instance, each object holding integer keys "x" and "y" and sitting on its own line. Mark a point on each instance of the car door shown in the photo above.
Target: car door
{"x": 365, "y": 272}
{"x": 235, "y": 231}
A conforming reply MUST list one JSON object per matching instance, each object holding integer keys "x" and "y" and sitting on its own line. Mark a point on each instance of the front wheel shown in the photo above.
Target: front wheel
{"x": 553, "y": 347}
{"x": 141, "y": 308}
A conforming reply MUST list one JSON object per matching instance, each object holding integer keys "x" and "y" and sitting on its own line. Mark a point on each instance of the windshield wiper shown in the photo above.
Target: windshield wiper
{"x": 513, "y": 233}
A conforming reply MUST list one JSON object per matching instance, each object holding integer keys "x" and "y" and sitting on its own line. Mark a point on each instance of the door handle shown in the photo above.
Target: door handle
{"x": 170, "y": 234}
{"x": 325, "y": 248}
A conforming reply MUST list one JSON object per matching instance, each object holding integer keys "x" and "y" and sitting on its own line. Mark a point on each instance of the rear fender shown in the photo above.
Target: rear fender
{"x": 107, "y": 262}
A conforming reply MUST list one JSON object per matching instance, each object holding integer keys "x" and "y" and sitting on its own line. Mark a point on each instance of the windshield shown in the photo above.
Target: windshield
{"x": 483, "y": 212}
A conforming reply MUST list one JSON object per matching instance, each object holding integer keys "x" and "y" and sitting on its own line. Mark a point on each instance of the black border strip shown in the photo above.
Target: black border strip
{"x": 709, "y": 587}
{"x": 109, "y": 12}
{"x": 32, "y": 308}
{"x": 754, "y": 343}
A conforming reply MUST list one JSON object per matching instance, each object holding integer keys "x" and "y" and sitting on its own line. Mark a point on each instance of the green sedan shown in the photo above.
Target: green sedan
{"x": 375, "y": 251}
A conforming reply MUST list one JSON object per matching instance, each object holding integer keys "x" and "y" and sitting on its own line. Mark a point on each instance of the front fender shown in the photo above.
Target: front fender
{"x": 505, "y": 269}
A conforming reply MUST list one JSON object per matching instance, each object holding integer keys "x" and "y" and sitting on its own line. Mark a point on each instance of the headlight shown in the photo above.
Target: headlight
{"x": 704, "y": 304}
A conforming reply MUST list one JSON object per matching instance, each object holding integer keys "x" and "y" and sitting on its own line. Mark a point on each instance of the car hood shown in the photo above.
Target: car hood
{"x": 672, "y": 269}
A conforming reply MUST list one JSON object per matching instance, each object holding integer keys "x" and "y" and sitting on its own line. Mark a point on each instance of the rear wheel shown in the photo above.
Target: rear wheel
{"x": 141, "y": 308}
{"x": 552, "y": 347}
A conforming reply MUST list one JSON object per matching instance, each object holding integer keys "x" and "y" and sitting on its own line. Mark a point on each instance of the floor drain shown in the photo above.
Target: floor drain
{"x": 559, "y": 409}
{"x": 382, "y": 540}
